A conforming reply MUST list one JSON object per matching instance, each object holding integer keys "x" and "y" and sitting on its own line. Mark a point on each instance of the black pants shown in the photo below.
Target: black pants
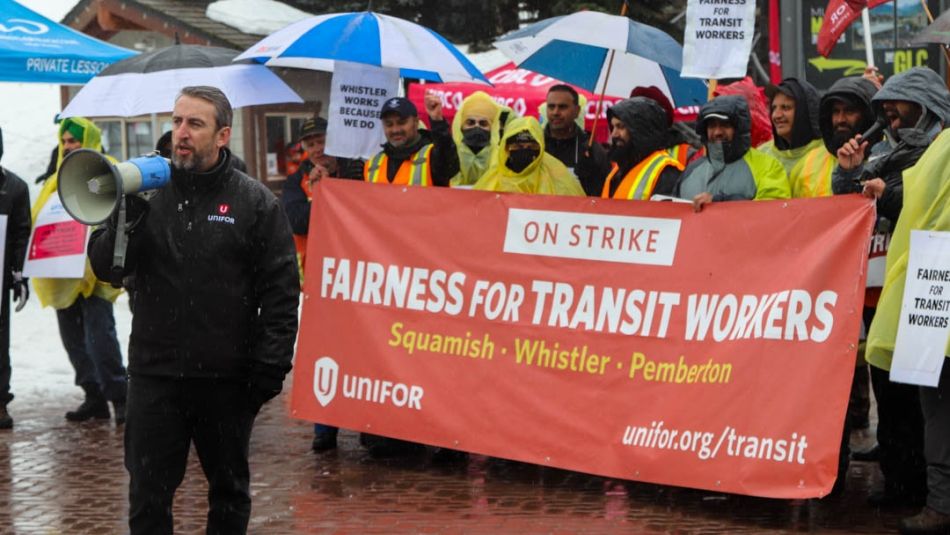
{"x": 900, "y": 433}
{"x": 164, "y": 415}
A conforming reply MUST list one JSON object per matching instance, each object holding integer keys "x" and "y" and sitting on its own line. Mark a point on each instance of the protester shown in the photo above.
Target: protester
{"x": 15, "y": 205}
{"x": 215, "y": 319}
{"x": 296, "y": 198}
{"x": 844, "y": 112}
{"x": 926, "y": 206}
{"x": 795, "y": 129}
{"x": 569, "y": 143}
{"x": 522, "y": 165}
{"x": 476, "y": 129}
{"x": 915, "y": 105}
{"x": 84, "y": 305}
{"x": 685, "y": 143}
{"x": 164, "y": 148}
{"x": 732, "y": 169}
{"x": 639, "y": 140}
{"x": 411, "y": 156}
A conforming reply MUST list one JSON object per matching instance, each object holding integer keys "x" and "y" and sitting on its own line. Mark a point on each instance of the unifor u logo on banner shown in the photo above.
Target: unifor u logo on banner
{"x": 326, "y": 373}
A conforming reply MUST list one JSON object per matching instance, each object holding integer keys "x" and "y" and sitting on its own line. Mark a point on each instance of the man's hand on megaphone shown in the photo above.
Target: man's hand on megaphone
{"x": 21, "y": 290}
{"x": 136, "y": 210}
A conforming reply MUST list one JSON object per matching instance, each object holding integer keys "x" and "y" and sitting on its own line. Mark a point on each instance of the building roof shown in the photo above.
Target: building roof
{"x": 103, "y": 18}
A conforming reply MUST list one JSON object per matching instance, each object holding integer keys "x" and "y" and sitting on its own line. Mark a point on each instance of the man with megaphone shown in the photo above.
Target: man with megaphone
{"x": 84, "y": 305}
{"x": 215, "y": 319}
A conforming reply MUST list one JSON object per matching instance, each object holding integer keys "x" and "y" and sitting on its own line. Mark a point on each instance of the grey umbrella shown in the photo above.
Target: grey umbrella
{"x": 149, "y": 83}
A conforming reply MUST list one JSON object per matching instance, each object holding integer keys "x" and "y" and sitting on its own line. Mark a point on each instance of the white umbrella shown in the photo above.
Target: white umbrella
{"x": 150, "y": 82}
{"x": 367, "y": 38}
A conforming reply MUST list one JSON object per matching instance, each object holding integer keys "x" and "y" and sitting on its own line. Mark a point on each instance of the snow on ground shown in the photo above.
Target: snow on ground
{"x": 40, "y": 365}
{"x": 257, "y": 17}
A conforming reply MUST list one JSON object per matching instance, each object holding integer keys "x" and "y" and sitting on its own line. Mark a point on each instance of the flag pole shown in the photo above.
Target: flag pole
{"x": 868, "y": 50}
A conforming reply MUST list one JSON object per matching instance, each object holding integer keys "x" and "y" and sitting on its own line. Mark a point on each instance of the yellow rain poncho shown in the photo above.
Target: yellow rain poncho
{"x": 926, "y": 207}
{"x": 473, "y": 165}
{"x": 545, "y": 175}
{"x": 62, "y": 293}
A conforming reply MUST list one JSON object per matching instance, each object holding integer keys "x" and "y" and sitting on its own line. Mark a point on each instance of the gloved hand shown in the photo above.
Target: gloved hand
{"x": 262, "y": 389}
{"x": 21, "y": 290}
{"x": 136, "y": 210}
{"x": 585, "y": 165}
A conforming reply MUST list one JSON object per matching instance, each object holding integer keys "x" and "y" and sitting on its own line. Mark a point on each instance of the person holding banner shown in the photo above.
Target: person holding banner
{"x": 215, "y": 319}
{"x": 731, "y": 170}
{"x": 410, "y": 156}
{"x": 15, "y": 208}
{"x": 476, "y": 129}
{"x": 641, "y": 164}
{"x": 566, "y": 140}
{"x": 296, "y": 197}
{"x": 914, "y": 106}
{"x": 926, "y": 207}
{"x": 522, "y": 166}
{"x": 795, "y": 130}
{"x": 84, "y": 305}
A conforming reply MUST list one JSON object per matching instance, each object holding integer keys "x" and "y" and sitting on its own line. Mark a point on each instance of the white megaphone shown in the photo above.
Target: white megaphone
{"x": 91, "y": 187}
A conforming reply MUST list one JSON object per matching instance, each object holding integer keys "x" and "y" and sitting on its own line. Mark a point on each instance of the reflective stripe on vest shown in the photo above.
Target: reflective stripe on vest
{"x": 680, "y": 153}
{"x": 415, "y": 171}
{"x": 813, "y": 178}
{"x": 639, "y": 182}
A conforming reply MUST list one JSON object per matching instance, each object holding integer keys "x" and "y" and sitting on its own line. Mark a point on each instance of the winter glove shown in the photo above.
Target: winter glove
{"x": 265, "y": 384}
{"x": 136, "y": 210}
{"x": 21, "y": 290}
{"x": 585, "y": 165}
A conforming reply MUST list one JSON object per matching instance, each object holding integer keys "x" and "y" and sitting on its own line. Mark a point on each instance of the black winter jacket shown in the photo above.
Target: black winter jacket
{"x": 15, "y": 204}
{"x": 295, "y": 200}
{"x": 216, "y": 284}
{"x": 590, "y": 166}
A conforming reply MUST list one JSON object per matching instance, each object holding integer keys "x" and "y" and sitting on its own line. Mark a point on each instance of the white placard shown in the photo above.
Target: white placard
{"x": 919, "y": 350}
{"x": 718, "y": 38}
{"x": 57, "y": 248}
{"x": 357, "y": 92}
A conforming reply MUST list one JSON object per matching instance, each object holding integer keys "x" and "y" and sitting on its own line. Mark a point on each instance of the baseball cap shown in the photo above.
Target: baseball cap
{"x": 720, "y": 116}
{"x": 313, "y": 127}
{"x": 400, "y": 105}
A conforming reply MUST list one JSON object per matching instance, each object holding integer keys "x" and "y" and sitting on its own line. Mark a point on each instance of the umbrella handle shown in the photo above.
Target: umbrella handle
{"x": 603, "y": 90}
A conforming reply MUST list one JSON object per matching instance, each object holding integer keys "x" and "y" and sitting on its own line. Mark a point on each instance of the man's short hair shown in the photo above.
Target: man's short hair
{"x": 566, "y": 89}
{"x": 223, "y": 113}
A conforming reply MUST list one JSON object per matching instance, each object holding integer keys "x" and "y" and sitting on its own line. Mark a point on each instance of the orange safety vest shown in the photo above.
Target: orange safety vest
{"x": 639, "y": 182}
{"x": 680, "y": 153}
{"x": 416, "y": 171}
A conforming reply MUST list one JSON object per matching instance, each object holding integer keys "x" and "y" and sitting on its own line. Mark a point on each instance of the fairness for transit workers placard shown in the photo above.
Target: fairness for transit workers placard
{"x": 636, "y": 340}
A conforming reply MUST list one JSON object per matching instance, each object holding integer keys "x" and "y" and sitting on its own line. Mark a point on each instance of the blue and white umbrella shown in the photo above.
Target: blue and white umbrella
{"x": 368, "y": 38}
{"x": 576, "y": 48}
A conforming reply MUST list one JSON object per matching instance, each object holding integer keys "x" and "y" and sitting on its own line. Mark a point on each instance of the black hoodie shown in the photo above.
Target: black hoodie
{"x": 855, "y": 90}
{"x": 649, "y": 130}
{"x": 806, "y": 125}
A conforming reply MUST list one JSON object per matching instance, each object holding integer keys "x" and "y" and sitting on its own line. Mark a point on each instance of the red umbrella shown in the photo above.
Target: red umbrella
{"x": 524, "y": 92}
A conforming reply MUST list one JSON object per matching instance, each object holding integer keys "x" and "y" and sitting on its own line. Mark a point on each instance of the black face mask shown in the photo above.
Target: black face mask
{"x": 476, "y": 138}
{"x": 519, "y": 160}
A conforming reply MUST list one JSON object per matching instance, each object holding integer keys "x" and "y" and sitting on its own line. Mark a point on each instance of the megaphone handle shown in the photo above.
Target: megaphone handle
{"x": 121, "y": 245}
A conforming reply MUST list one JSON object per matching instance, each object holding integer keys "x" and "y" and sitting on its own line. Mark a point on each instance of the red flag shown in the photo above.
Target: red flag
{"x": 775, "y": 43}
{"x": 838, "y": 16}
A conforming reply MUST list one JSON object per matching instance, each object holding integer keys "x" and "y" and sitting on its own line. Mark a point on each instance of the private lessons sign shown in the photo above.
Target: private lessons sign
{"x": 636, "y": 340}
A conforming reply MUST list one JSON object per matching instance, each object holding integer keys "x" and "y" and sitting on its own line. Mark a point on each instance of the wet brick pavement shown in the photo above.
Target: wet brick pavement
{"x": 63, "y": 478}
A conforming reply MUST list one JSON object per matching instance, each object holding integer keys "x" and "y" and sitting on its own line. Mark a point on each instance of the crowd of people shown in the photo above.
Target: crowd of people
{"x": 215, "y": 298}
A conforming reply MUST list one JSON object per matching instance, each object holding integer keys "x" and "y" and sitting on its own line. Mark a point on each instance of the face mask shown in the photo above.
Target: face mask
{"x": 476, "y": 138}
{"x": 519, "y": 160}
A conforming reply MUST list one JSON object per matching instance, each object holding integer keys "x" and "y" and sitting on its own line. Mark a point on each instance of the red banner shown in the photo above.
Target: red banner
{"x": 838, "y": 16}
{"x": 636, "y": 340}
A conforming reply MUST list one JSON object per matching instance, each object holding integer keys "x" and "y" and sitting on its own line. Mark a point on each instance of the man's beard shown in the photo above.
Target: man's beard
{"x": 192, "y": 163}
{"x": 840, "y": 137}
